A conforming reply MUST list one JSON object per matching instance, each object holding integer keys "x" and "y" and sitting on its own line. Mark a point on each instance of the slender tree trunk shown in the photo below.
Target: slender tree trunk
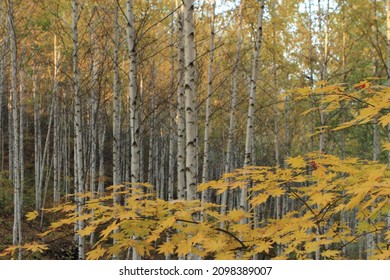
{"x": 190, "y": 113}
{"x": 78, "y": 127}
{"x": 181, "y": 174}
{"x": 102, "y": 138}
{"x": 171, "y": 157}
{"x": 56, "y": 135}
{"x": 249, "y": 126}
{"x": 17, "y": 227}
{"x": 205, "y": 175}
{"x": 231, "y": 133}
{"x": 116, "y": 116}
{"x": 134, "y": 100}
{"x": 94, "y": 102}
{"x": 21, "y": 127}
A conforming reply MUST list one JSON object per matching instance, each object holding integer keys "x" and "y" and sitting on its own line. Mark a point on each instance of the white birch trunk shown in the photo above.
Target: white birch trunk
{"x": 231, "y": 133}
{"x": 116, "y": 115}
{"x": 78, "y": 128}
{"x": 189, "y": 81}
{"x": 134, "y": 100}
{"x": 249, "y": 126}
{"x": 57, "y": 123}
{"x": 181, "y": 179}
{"x": 17, "y": 226}
{"x": 171, "y": 158}
{"x": 94, "y": 110}
{"x": 102, "y": 138}
{"x": 21, "y": 127}
{"x": 116, "y": 168}
{"x": 205, "y": 175}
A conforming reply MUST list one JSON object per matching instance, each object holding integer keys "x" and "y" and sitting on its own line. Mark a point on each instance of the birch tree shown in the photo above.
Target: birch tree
{"x": 133, "y": 99}
{"x": 252, "y": 94}
{"x": 190, "y": 113}
{"x": 231, "y": 132}
{"x": 181, "y": 174}
{"x": 116, "y": 113}
{"x": 16, "y": 168}
{"x": 208, "y": 102}
{"x": 78, "y": 126}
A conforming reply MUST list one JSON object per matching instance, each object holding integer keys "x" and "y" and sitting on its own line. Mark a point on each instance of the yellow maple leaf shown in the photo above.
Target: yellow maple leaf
{"x": 166, "y": 248}
{"x": 330, "y": 254}
{"x": 385, "y": 120}
{"x": 276, "y": 192}
{"x": 259, "y": 199}
{"x": 86, "y": 231}
{"x": 96, "y": 253}
{"x": 183, "y": 248}
{"x": 9, "y": 250}
{"x": 386, "y": 146}
{"x": 35, "y": 247}
{"x": 296, "y": 162}
{"x": 237, "y": 215}
{"x": 213, "y": 245}
{"x": 198, "y": 238}
{"x": 170, "y": 221}
{"x": 104, "y": 234}
{"x": 263, "y": 247}
{"x": 32, "y": 215}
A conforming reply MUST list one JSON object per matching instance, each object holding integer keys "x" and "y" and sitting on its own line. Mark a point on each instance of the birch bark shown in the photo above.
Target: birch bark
{"x": 134, "y": 100}
{"x": 181, "y": 174}
{"x": 78, "y": 126}
{"x": 17, "y": 226}
{"x": 249, "y": 126}
{"x": 205, "y": 175}
{"x": 190, "y": 113}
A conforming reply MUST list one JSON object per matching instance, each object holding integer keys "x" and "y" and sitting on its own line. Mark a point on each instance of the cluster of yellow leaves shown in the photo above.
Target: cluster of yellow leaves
{"x": 32, "y": 247}
{"x": 322, "y": 191}
{"x": 367, "y": 101}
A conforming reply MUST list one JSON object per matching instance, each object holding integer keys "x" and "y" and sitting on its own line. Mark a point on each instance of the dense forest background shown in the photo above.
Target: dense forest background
{"x": 165, "y": 99}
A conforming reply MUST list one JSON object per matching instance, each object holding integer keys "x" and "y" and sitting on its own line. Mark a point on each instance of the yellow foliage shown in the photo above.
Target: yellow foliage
{"x": 321, "y": 187}
{"x": 86, "y": 231}
{"x": 96, "y": 253}
{"x": 167, "y": 248}
{"x": 35, "y": 247}
{"x": 297, "y": 162}
{"x": 31, "y": 215}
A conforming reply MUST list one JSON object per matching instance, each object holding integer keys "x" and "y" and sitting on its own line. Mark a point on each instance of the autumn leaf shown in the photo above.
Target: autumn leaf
{"x": 104, "y": 234}
{"x": 9, "y": 250}
{"x": 166, "y": 248}
{"x": 96, "y": 253}
{"x": 88, "y": 230}
{"x": 183, "y": 248}
{"x": 330, "y": 254}
{"x": 170, "y": 221}
{"x": 296, "y": 162}
{"x": 237, "y": 215}
{"x": 213, "y": 245}
{"x": 35, "y": 247}
{"x": 32, "y": 215}
{"x": 276, "y": 192}
{"x": 198, "y": 238}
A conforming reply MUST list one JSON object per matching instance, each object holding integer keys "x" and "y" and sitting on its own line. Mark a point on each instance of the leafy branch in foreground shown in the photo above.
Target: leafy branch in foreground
{"x": 323, "y": 191}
